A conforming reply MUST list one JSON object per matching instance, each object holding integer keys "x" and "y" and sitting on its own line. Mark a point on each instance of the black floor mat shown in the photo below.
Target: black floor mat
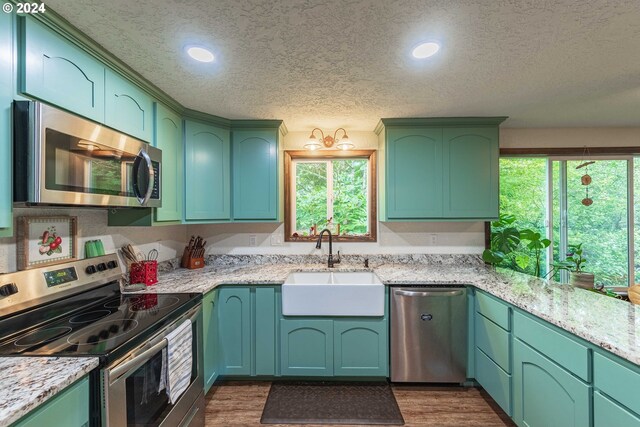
{"x": 323, "y": 402}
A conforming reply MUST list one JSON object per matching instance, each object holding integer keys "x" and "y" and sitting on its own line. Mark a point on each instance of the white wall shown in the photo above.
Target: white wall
{"x": 92, "y": 224}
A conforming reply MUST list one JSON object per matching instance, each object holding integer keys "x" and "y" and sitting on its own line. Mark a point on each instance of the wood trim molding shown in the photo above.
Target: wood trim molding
{"x": 291, "y": 155}
{"x": 567, "y": 151}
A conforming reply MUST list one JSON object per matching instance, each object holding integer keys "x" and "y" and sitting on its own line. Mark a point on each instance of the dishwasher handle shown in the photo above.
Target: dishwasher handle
{"x": 443, "y": 293}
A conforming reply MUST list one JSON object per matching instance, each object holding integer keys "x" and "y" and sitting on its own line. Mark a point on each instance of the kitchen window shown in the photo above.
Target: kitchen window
{"x": 546, "y": 194}
{"x": 330, "y": 189}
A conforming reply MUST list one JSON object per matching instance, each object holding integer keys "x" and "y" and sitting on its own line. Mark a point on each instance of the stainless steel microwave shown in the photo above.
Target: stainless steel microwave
{"x": 64, "y": 159}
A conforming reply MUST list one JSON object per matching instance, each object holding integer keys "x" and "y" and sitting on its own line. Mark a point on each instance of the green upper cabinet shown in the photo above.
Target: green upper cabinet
{"x": 127, "y": 108}
{"x": 60, "y": 73}
{"x": 440, "y": 168}
{"x": 6, "y": 97}
{"x": 471, "y": 172}
{"x": 414, "y": 171}
{"x": 168, "y": 138}
{"x": 207, "y": 172}
{"x": 255, "y": 174}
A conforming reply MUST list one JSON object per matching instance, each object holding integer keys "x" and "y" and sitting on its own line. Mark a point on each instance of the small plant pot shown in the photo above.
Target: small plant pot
{"x": 581, "y": 280}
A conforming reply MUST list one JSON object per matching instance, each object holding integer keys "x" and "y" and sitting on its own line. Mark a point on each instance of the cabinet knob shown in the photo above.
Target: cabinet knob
{"x": 426, "y": 317}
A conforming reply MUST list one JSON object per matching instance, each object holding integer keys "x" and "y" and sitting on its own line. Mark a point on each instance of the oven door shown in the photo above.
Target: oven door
{"x": 130, "y": 387}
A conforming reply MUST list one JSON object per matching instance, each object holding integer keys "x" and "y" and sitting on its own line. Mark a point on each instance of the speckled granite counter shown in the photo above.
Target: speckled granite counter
{"x": 606, "y": 322}
{"x": 28, "y": 382}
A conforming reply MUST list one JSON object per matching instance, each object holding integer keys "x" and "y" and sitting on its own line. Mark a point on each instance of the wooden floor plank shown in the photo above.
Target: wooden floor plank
{"x": 240, "y": 403}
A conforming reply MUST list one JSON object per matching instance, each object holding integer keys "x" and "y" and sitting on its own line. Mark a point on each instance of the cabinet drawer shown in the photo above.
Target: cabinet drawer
{"x": 493, "y": 310}
{"x": 68, "y": 408}
{"x": 493, "y": 341}
{"x": 494, "y": 380}
{"x": 607, "y": 413}
{"x": 558, "y": 347}
{"x": 617, "y": 381}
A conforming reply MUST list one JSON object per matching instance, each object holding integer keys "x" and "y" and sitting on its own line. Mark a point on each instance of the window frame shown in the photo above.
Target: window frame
{"x": 369, "y": 155}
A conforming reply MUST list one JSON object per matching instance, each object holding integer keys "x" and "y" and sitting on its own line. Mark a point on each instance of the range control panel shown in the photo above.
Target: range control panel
{"x": 28, "y": 288}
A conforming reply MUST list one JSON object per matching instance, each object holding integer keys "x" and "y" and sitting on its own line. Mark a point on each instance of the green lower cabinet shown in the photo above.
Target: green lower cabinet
{"x": 306, "y": 347}
{"x": 266, "y": 315}
{"x": 69, "y": 408}
{"x": 607, "y": 413}
{"x": 361, "y": 347}
{"x": 210, "y": 339}
{"x": 494, "y": 380}
{"x": 234, "y": 317}
{"x": 545, "y": 394}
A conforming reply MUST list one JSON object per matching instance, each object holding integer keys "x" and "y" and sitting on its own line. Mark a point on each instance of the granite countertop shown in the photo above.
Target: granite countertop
{"x": 611, "y": 324}
{"x": 28, "y": 382}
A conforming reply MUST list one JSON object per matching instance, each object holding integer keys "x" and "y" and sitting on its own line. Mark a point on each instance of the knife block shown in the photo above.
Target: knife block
{"x": 194, "y": 263}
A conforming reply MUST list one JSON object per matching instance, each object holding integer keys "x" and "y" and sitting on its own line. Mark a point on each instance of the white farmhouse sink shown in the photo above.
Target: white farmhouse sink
{"x": 333, "y": 294}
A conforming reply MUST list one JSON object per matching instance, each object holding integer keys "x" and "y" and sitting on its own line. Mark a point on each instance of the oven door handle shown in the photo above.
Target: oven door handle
{"x": 142, "y": 358}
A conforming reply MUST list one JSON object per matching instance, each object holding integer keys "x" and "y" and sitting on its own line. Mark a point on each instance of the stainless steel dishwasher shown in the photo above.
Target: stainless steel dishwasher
{"x": 429, "y": 334}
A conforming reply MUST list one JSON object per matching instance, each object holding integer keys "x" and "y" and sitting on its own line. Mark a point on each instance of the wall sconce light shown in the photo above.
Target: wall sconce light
{"x": 316, "y": 143}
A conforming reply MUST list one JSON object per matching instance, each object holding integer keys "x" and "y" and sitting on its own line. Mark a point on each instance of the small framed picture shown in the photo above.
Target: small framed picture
{"x": 46, "y": 240}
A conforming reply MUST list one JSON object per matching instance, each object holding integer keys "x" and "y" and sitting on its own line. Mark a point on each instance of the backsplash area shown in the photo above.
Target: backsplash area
{"x": 92, "y": 224}
{"x": 393, "y": 238}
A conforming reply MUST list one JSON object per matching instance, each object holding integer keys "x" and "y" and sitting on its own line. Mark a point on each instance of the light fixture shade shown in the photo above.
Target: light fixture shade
{"x": 345, "y": 143}
{"x": 313, "y": 144}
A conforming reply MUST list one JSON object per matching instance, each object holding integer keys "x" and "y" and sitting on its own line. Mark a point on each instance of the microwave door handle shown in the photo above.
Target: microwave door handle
{"x": 151, "y": 173}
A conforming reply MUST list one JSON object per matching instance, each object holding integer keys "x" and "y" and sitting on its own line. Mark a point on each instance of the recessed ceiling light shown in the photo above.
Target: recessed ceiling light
{"x": 200, "y": 54}
{"x": 425, "y": 50}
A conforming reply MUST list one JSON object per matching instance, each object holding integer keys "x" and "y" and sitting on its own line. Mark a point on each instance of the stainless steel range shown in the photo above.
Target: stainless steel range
{"x": 76, "y": 309}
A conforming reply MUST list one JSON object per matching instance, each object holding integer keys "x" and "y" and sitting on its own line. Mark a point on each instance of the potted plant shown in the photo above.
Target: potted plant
{"x": 574, "y": 264}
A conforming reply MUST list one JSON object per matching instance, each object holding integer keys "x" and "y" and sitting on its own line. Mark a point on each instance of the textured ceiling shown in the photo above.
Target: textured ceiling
{"x": 333, "y": 63}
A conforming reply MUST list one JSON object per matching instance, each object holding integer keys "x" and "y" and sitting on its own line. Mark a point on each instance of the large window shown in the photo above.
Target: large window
{"x": 548, "y": 196}
{"x": 333, "y": 190}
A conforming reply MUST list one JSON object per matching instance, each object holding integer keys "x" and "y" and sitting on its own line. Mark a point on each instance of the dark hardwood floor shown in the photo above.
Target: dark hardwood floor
{"x": 241, "y": 403}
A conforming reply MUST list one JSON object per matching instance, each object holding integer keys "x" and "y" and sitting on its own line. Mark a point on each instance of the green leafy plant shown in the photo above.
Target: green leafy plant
{"x": 574, "y": 261}
{"x": 512, "y": 248}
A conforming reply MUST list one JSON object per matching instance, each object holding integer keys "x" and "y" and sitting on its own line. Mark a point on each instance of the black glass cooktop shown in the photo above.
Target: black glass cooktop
{"x": 94, "y": 326}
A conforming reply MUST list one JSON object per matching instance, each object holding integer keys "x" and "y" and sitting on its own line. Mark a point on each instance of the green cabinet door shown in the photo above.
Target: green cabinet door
{"x": 168, "y": 138}
{"x": 545, "y": 394}
{"x": 69, "y": 408}
{"x": 210, "y": 339}
{"x": 306, "y": 347}
{"x": 54, "y": 70}
{"x": 607, "y": 413}
{"x": 234, "y": 316}
{"x": 413, "y": 173}
{"x": 207, "y": 172}
{"x": 265, "y": 337}
{"x": 255, "y": 174}
{"x": 7, "y": 80}
{"x": 470, "y": 171}
{"x": 127, "y": 108}
{"x": 361, "y": 347}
